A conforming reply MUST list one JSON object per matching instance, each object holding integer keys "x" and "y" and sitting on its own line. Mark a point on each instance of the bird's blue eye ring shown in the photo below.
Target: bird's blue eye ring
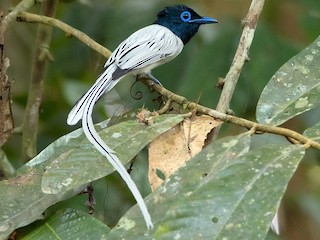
{"x": 185, "y": 16}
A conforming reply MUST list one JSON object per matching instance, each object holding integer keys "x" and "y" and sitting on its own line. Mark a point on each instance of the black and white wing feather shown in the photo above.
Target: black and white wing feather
{"x": 146, "y": 49}
{"x": 142, "y": 51}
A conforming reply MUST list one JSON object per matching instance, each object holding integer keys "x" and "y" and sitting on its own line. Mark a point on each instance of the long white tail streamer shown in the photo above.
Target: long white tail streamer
{"x": 83, "y": 109}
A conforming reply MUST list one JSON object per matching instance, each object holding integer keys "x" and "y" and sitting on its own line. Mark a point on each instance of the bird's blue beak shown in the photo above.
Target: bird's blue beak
{"x": 204, "y": 20}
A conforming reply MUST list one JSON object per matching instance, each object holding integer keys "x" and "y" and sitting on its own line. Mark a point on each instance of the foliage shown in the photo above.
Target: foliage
{"x": 295, "y": 88}
{"x": 230, "y": 190}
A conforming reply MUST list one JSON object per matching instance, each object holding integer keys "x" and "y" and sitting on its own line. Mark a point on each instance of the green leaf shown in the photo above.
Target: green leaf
{"x": 70, "y": 224}
{"x": 224, "y": 192}
{"x": 294, "y": 89}
{"x": 24, "y": 201}
{"x": 82, "y": 163}
{"x": 313, "y": 132}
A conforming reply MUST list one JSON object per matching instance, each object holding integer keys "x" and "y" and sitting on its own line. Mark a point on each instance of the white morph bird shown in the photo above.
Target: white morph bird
{"x": 142, "y": 51}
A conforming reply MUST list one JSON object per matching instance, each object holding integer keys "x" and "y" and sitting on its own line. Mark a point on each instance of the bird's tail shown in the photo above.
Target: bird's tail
{"x": 83, "y": 109}
{"x": 103, "y": 84}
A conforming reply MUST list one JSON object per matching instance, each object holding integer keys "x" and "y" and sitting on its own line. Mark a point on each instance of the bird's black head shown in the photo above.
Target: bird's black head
{"x": 182, "y": 21}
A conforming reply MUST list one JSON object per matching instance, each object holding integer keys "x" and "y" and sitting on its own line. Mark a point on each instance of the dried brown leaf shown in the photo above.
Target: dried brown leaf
{"x": 172, "y": 149}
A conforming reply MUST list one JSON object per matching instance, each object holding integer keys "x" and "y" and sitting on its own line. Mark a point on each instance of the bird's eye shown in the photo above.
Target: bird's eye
{"x": 185, "y": 16}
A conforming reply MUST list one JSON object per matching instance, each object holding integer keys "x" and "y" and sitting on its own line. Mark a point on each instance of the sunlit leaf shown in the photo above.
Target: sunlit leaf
{"x": 69, "y": 225}
{"x": 222, "y": 193}
{"x": 81, "y": 163}
{"x": 313, "y": 132}
{"x": 294, "y": 89}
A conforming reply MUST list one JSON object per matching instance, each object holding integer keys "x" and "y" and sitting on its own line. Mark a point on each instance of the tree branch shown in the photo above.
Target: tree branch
{"x": 307, "y": 142}
{"x": 35, "y": 95}
{"x": 241, "y": 55}
{"x": 70, "y": 31}
{"x": 6, "y": 118}
{"x": 12, "y": 16}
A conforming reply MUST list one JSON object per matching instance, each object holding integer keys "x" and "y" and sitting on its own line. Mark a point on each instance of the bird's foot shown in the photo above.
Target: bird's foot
{"x": 154, "y": 79}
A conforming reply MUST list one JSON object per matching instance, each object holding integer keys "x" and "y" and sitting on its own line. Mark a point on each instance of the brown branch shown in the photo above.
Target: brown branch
{"x": 307, "y": 142}
{"x": 36, "y": 88}
{"x": 241, "y": 55}
{"x": 166, "y": 107}
{"x": 6, "y": 119}
{"x": 11, "y": 17}
{"x": 70, "y": 31}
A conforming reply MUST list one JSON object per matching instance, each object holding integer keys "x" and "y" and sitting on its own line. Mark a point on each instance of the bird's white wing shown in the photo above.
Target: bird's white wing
{"x": 146, "y": 49}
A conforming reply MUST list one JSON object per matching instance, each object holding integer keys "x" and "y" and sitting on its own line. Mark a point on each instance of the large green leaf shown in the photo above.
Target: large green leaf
{"x": 82, "y": 163}
{"x": 22, "y": 200}
{"x": 294, "y": 89}
{"x": 313, "y": 132}
{"x": 222, "y": 193}
{"x": 69, "y": 225}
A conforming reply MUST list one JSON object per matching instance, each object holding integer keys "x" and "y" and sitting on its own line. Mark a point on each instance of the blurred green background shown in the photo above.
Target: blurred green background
{"x": 285, "y": 28}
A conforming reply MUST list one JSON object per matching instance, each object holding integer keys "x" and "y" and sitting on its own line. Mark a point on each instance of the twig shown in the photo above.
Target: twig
{"x": 36, "y": 88}
{"x": 22, "y": 6}
{"x": 5, "y": 165}
{"x": 241, "y": 55}
{"x": 166, "y": 107}
{"x": 70, "y": 31}
{"x": 307, "y": 142}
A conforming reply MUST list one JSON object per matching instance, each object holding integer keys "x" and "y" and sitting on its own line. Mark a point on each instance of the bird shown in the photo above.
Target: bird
{"x": 144, "y": 50}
